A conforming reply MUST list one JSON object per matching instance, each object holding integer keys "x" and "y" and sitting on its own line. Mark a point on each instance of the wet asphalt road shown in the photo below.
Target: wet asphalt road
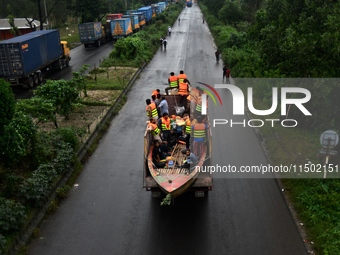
{"x": 110, "y": 213}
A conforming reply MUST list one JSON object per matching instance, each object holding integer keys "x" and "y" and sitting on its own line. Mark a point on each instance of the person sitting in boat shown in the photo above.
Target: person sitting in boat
{"x": 158, "y": 155}
{"x": 191, "y": 159}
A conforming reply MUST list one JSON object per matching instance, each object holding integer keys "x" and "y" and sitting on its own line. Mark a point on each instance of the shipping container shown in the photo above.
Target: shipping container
{"x": 147, "y": 13}
{"x": 134, "y": 21}
{"x": 141, "y": 18}
{"x": 91, "y": 33}
{"x": 162, "y": 6}
{"x": 156, "y": 8}
{"x": 120, "y": 27}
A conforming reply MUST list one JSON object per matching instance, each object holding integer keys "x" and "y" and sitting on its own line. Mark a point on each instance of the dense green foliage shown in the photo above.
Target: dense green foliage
{"x": 7, "y": 104}
{"x": 290, "y": 39}
{"x": 12, "y": 215}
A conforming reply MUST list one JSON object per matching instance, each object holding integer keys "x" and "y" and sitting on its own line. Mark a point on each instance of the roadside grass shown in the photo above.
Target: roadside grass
{"x": 110, "y": 78}
{"x": 316, "y": 200}
{"x": 71, "y": 35}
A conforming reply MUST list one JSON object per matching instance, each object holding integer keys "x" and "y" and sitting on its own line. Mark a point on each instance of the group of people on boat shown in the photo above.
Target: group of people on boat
{"x": 180, "y": 128}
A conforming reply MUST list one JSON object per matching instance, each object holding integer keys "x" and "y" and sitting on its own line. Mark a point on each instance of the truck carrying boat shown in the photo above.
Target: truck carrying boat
{"x": 175, "y": 178}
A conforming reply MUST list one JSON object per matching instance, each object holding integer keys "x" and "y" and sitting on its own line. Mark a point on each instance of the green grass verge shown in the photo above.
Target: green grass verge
{"x": 316, "y": 200}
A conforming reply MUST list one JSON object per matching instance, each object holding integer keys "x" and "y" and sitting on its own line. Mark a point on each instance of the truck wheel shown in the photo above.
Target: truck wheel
{"x": 30, "y": 82}
{"x": 35, "y": 79}
{"x": 40, "y": 77}
{"x": 85, "y": 45}
{"x": 60, "y": 64}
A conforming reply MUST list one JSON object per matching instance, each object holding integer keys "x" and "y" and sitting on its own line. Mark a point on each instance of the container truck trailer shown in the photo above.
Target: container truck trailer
{"x": 23, "y": 59}
{"x": 91, "y": 33}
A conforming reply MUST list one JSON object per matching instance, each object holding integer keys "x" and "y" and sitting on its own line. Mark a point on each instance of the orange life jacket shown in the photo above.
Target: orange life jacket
{"x": 165, "y": 124}
{"x": 183, "y": 89}
{"x": 181, "y": 77}
{"x": 173, "y": 80}
{"x": 154, "y": 112}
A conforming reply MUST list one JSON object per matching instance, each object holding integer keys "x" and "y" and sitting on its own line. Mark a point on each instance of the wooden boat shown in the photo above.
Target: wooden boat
{"x": 175, "y": 180}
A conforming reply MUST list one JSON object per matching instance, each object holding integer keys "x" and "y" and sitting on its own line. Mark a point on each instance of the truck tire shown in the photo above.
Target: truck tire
{"x": 60, "y": 64}
{"x": 40, "y": 77}
{"x": 86, "y": 45}
{"x": 30, "y": 82}
{"x": 35, "y": 79}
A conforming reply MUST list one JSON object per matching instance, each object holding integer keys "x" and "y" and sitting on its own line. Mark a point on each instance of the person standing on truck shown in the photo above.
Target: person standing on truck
{"x": 157, "y": 102}
{"x": 184, "y": 91}
{"x": 151, "y": 109}
{"x": 173, "y": 82}
{"x": 199, "y": 135}
{"x": 163, "y": 106}
{"x": 164, "y": 124}
{"x": 187, "y": 130}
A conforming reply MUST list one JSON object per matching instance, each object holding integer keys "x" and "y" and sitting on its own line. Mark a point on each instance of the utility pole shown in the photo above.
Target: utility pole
{"x": 40, "y": 16}
{"x": 46, "y": 13}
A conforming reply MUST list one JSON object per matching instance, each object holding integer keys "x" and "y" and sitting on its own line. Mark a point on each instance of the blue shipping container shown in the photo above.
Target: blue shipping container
{"x": 23, "y": 55}
{"x": 141, "y": 18}
{"x": 134, "y": 21}
{"x": 147, "y": 12}
{"x": 162, "y": 6}
{"x": 120, "y": 27}
{"x": 90, "y": 32}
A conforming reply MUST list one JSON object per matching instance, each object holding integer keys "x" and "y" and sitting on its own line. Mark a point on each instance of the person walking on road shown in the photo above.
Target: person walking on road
{"x": 217, "y": 55}
{"x": 169, "y": 30}
{"x": 179, "y": 21}
{"x": 226, "y": 73}
{"x": 165, "y": 42}
{"x": 161, "y": 42}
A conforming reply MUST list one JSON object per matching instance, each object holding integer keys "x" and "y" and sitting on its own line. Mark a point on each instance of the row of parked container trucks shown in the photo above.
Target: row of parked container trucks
{"x": 23, "y": 59}
{"x": 118, "y": 25}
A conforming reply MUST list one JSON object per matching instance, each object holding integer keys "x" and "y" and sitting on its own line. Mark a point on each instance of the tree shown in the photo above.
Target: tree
{"x": 7, "y": 104}
{"x": 62, "y": 94}
{"x": 90, "y": 10}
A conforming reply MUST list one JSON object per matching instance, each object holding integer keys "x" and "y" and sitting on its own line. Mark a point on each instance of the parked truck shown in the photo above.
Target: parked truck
{"x": 176, "y": 179}
{"x": 189, "y": 3}
{"x": 91, "y": 33}
{"x": 23, "y": 59}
